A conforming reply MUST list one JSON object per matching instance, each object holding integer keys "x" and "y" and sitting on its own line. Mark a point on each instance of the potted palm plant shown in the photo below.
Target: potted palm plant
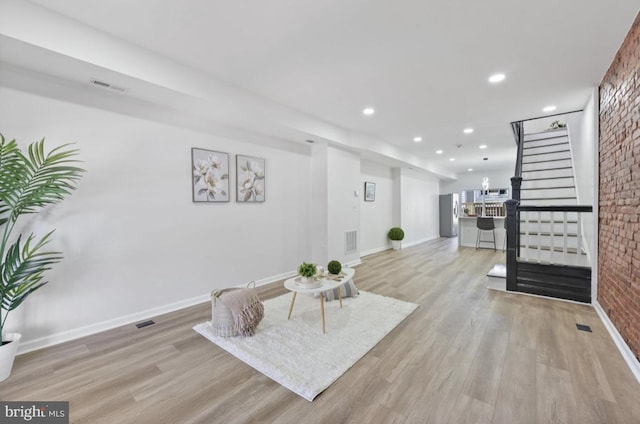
{"x": 28, "y": 183}
{"x": 396, "y": 234}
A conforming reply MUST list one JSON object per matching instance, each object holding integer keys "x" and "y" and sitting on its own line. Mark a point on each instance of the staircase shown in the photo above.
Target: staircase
{"x": 545, "y": 246}
{"x": 547, "y": 172}
{"x": 548, "y": 180}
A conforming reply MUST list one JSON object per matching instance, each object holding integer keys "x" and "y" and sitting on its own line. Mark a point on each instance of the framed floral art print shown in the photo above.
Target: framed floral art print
{"x": 210, "y": 182}
{"x": 250, "y": 179}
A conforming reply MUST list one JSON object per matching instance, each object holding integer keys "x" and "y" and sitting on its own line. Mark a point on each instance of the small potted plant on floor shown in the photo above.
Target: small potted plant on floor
{"x": 28, "y": 182}
{"x": 396, "y": 235}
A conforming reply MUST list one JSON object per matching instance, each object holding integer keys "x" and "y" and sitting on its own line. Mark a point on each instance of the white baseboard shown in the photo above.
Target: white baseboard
{"x": 376, "y": 250}
{"x": 414, "y": 243}
{"x": 354, "y": 262}
{"x": 76, "y": 333}
{"x": 623, "y": 347}
{"x": 403, "y": 245}
{"x": 88, "y": 330}
{"x": 273, "y": 278}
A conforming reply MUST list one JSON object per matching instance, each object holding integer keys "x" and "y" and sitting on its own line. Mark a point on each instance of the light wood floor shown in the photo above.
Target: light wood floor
{"x": 467, "y": 355}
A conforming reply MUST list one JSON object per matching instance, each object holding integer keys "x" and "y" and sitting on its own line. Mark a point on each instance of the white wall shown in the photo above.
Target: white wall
{"x": 473, "y": 180}
{"x": 319, "y": 211}
{"x": 335, "y": 177}
{"x": 343, "y": 176}
{"x": 420, "y": 207}
{"x": 583, "y": 130}
{"x": 132, "y": 238}
{"x": 376, "y": 218}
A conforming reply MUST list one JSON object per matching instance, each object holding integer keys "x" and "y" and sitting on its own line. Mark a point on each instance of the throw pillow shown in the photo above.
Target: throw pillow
{"x": 348, "y": 289}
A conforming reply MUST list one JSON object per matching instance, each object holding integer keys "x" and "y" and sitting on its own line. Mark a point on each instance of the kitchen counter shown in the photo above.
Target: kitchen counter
{"x": 468, "y": 232}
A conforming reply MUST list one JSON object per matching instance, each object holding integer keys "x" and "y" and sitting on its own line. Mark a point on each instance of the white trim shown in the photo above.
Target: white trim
{"x": 354, "y": 262}
{"x": 623, "y": 347}
{"x": 414, "y": 243}
{"x": 76, "y": 333}
{"x": 88, "y": 330}
{"x": 388, "y": 247}
{"x": 373, "y": 251}
{"x": 273, "y": 278}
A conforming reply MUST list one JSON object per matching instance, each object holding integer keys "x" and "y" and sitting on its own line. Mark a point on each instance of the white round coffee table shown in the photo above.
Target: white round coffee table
{"x": 325, "y": 285}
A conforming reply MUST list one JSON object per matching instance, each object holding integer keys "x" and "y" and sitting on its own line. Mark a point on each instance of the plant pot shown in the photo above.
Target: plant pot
{"x": 396, "y": 244}
{"x": 8, "y": 354}
{"x": 308, "y": 283}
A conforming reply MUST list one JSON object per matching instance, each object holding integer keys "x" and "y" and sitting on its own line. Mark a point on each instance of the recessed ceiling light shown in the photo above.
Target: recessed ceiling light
{"x": 438, "y": 152}
{"x": 482, "y": 146}
{"x": 550, "y": 108}
{"x": 470, "y": 169}
{"x": 369, "y": 111}
{"x": 468, "y": 130}
{"x": 496, "y": 78}
{"x": 452, "y": 159}
{"x": 417, "y": 139}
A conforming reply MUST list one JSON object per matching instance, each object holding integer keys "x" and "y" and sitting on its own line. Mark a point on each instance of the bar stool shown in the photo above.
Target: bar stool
{"x": 485, "y": 224}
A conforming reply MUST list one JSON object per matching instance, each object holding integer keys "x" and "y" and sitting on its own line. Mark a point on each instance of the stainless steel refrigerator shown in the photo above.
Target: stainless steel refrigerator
{"x": 449, "y": 209}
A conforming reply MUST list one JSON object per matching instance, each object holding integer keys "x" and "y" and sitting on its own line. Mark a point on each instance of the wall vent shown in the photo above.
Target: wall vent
{"x": 351, "y": 242}
{"x": 108, "y": 85}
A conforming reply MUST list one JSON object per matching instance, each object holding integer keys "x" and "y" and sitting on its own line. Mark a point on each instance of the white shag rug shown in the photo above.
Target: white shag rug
{"x": 295, "y": 353}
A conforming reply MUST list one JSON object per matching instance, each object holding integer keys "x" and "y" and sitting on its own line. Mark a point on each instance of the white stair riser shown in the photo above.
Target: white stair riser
{"x": 547, "y": 192}
{"x": 546, "y": 165}
{"x": 559, "y": 182}
{"x": 545, "y": 135}
{"x": 547, "y": 156}
{"x": 560, "y": 145}
{"x": 553, "y": 257}
{"x": 547, "y": 173}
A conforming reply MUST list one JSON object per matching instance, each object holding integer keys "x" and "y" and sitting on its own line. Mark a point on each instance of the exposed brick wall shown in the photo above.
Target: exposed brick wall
{"x": 619, "y": 234}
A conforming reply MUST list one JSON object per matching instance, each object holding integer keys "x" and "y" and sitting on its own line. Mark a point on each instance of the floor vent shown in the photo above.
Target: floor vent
{"x": 351, "y": 242}
{"x": 583, "y": 327}
{"x": 145, "y": 324}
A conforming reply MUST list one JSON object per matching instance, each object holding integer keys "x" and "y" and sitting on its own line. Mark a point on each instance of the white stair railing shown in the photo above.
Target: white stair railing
{"x": 539, "y": 241}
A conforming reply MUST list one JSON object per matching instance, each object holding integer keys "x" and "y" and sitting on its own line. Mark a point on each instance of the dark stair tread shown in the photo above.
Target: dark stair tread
{"x": 546, "y": 145}
{"x": 545, "y": 198}
{"x": 544, "y": 161}
{"x": 547, "y": 169}
{"x": 556, "y": 130}
{"x": 546, "y": 221}
{"x": 545, "y": 178}
{"x": 546, "y": 153}
{"x": 547, "y": 188}
{"x": 527, "y": 138}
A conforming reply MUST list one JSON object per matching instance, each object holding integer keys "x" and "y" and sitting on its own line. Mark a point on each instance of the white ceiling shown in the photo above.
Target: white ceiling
{"x": 423, "y": 65}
